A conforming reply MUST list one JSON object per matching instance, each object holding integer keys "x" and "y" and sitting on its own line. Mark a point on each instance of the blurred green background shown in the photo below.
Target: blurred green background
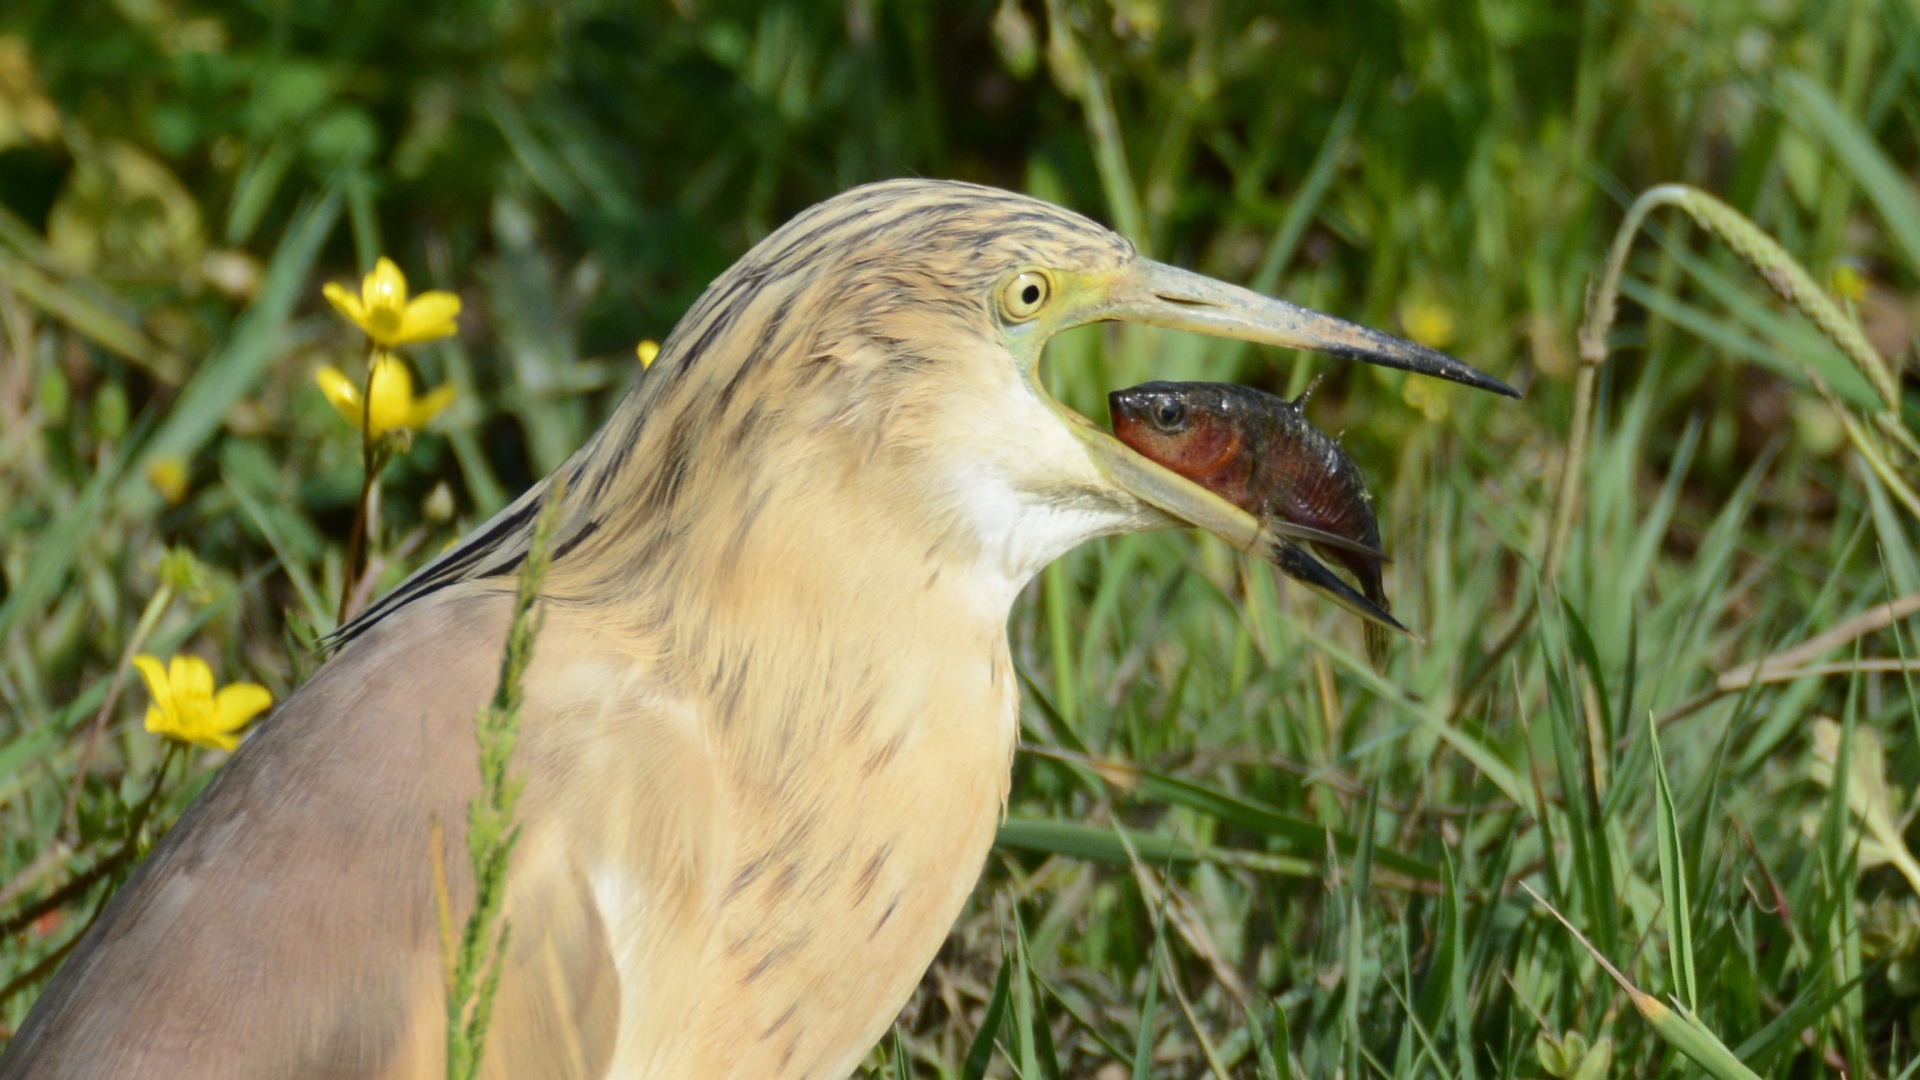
{"x": 1343, "y": 849}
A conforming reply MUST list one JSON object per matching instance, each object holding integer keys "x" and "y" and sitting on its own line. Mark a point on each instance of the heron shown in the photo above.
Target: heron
{"x": 770, "y": 718}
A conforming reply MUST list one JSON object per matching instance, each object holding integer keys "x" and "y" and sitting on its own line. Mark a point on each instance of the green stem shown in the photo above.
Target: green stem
{"x": 474, "y": 970}
{"x": 370, "y": 465}
{"x": 1788, "y": 279}
{"x": 79, "y": 884}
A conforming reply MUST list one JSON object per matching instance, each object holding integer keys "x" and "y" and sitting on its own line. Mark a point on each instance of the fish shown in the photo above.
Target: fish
{"x": 1259, "y": 452}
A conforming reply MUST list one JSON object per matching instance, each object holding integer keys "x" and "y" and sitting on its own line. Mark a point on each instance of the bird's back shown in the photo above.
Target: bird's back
{"x": 284, "y": 926}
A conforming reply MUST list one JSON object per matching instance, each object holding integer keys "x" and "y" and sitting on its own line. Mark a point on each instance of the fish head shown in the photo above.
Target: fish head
{"x": 1194, "y": 429}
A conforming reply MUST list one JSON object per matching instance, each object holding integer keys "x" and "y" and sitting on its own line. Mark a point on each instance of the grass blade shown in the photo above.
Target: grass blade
{"x": 231, "y": 372}
{"x": 1673, "y": 881}
{"x": 980, "y": 1053}
{"x": 1814, "y": 111}
{"x": 1150, "y": 1004}
{"x": 1680, "y": 1030}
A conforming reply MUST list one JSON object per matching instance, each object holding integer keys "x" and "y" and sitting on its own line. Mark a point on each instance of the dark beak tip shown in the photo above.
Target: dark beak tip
{"x": 1447, "y": 367}
{"x": 1389, "y": 351}
{"x": 1467, "y": 375}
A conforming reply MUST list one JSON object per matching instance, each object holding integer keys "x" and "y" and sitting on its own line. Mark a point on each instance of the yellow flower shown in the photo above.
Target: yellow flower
{"x": 168, "y": 475}
{"x": 1427, "y": 396}
{"x": 648, "y": 351}
{"x": 186, "y": 575}
{"x": 1428, "y": 322}
{"x": 393, "y": 404}
{"x": 185, "y": 706}
{"x": 25, "y": 113}
{"x": 388, "y": 317}
{"x": 1847, "y": 284}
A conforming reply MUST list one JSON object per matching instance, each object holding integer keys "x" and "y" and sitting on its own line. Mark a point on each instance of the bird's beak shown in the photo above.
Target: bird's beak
{"x": 1148, "y": 292}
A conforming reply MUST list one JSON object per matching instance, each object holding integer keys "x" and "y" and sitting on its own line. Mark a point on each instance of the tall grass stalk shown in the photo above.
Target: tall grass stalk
{"x": 1786, "y": 277}
{"x": 1792, "y": 283}
{"x": 474, "y": 961}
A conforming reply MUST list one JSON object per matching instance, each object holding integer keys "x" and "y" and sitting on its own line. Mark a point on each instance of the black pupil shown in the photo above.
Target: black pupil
{"x": 1030, "y": 294}
{"x": 1170, "y": 413}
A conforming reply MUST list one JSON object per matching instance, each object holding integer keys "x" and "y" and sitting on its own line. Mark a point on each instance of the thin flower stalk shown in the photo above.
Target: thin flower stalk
{"x": 383, "y": 406}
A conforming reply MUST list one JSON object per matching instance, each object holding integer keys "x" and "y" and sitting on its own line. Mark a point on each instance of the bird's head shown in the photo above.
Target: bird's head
{"x": 873, "y": 367}
{"x": 898, "y": 329}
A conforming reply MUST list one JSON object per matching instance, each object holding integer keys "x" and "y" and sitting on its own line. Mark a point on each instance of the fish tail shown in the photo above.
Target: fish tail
{"x": 1377, "y": 641}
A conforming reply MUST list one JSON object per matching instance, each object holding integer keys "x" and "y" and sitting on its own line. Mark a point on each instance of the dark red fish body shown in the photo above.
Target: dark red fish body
{"x": 1258, "y": 452}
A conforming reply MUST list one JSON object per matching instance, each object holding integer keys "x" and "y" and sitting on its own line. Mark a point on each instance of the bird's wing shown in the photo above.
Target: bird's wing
{"x": 287, "y": 924}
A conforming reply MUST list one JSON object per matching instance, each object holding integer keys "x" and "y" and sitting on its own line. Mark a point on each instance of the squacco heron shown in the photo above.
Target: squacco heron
{"x": 768, "y": 723}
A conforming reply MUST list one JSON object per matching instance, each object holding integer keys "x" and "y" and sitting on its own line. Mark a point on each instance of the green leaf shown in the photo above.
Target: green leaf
{"x": 1150, "y": 1005}
{"x": 1815, "y": 112}
{"x": 258, "y": 336}
{"x": 1673, "y": 881}
{"x": 980, "y": 1053}
{"x": 1680, "y": 1030}
{"x": 94, "y": 318}
{"x": 57, "y": 546}
{"x": 1309, "y": 838}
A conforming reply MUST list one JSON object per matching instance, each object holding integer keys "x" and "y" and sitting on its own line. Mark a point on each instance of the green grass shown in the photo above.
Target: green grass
{"x": 1234, "y": 848}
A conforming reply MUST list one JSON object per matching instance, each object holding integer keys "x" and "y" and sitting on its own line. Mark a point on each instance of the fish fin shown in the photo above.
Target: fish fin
{"x": 1309, "y": 534}
{"x": 1292, "y": 560}
{"x": 1312, "y": 385}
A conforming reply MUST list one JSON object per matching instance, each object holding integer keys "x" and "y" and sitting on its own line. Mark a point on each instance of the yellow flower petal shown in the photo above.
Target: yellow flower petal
{"x": 186, "y": 708}
{"x": 384, "y": 292}
{"x": 1427, "y": 322}
{"x": 384, "y": 313}
{"x": 215, "y": 740}
{"x": 155, "y": 675}
{"x": 197, "y": 735}
{"x": 428, "y": 318}
{"x": 192, "y": 683}
{"x": 234, "y": 705}
{"x": 168, "y": 475}
{"x": 392, "y": 405}
{"x": 385, "y": 287}
{"x": 390, "y": 395}
{"x": 430, "y": 406}
{"x": 341, "y": 391}
{"x": 346, "y": 304}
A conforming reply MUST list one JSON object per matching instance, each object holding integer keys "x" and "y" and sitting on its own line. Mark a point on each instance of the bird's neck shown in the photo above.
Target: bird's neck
{"x": 757, "y": 580}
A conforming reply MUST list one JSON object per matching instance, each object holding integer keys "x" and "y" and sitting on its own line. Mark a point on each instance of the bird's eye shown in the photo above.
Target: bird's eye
{"x": 1025, "y": 295}
{"x": 1169, "y": 416}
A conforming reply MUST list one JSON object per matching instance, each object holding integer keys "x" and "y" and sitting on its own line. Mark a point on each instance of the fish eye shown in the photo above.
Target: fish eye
{"x": 1023, "y": 297}
{"x": 1170, "y": 415}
